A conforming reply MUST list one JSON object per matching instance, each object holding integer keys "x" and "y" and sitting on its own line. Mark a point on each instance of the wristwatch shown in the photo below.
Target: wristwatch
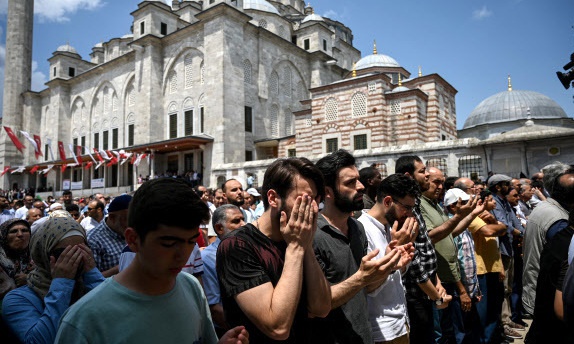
{"x": 438, "y": 301}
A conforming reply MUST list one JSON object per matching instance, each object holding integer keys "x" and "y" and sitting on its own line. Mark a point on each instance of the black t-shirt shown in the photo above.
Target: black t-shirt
{"x": 247, "y": 258}
{"x": 546, "y": 327}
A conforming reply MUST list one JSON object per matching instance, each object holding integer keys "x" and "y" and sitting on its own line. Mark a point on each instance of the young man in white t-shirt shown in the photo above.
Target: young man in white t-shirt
{"x": 155, "y": 302}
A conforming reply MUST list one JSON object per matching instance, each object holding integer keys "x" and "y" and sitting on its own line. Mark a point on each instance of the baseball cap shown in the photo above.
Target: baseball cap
{"x": 452, "y": 196}
{"x": 498, "y": 178}
{"x": 253, "y": 192}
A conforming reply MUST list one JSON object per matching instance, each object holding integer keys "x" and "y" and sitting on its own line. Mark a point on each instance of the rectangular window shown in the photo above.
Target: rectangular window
{"x": 46, "y": 149}
{"x": 97, "y": 140}
{"x": 325, "y": 45}
{"x": 54, "y": 71}
{"x": 248, "y": 119}
{"x": 75, "y": 143}
{"x": 248, "y": 155}
{"x": 291, "y": 153}
{"x": 188, "y": 122}
{"x": 163, "y": 29}
{"x": 115, "y": 136}
{"x": 130, "y": 135}
{"x": 360, "y": 141}
{"x": 142, "y": 28}
{"x": 332, "y": 145}
{"x": 105, "y": 139}
{"x": 173, "y": 126}
{"x": 294, "y": 39}
{"x": 306, "y": 44}
{"x": 72, "y": 72}
{"x": 83, "y": 143}
{"x": 201, "y": 119}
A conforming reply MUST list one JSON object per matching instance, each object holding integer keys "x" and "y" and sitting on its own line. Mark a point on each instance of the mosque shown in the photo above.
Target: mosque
{"x": 223, "y": 87}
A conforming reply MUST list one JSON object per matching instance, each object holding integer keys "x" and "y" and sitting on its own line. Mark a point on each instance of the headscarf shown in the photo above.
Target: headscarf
{"x": 42, "y": 243}
{"x": 19, "y": 261}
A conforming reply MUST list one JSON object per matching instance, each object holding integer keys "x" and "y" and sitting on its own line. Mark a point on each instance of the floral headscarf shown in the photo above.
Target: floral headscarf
{"x": 42, "y": 243}
{"x": 19, "y": 261}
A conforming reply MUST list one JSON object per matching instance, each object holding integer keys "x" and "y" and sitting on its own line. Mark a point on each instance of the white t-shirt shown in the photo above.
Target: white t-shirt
{"x": 387, "y": 304}
{"x": 90, "y": 223}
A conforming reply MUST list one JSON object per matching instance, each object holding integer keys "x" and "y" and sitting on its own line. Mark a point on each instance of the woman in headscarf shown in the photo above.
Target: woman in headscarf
{"x": 15, "y": 261}
{"x": 65, "y": 270}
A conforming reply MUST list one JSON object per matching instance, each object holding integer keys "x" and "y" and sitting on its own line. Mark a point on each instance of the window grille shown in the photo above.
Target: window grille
{"x": 331, "y": 110}
{"x": 359, "y": 105}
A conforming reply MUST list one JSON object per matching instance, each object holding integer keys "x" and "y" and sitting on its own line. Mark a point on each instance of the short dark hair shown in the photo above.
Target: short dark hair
{"x": 72, "y": 207}
{"x": 331, "y": 164}
{"x": 100, "y": 204}
{"x": 225, "y": 183}
{"x": 168, "y": 202}
{"x": 280, "y": 174}
{"x": 406, "y": 164}
{"x": 66, "y": 192}
{"x": 563, "y": 193}
{"x": 367, "y": 173}
{"x": 398, "y": 185}
{"x": 220, "y": 214}
{"x": 484, "y": 194}
{"x": 449, "y": 183}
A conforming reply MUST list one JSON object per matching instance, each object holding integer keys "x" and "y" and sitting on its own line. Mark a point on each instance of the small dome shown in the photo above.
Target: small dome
{"x": 400, "y": 89}
{"x": 99, "y": 45}
{"x": 312, "y": 17}
{"x": 129, "y": 35}
{"x": 376, "y": 60}
{"x": 66, "y": 48}
{"x": 514, "y": 105}
{"x": 260, "y": 5}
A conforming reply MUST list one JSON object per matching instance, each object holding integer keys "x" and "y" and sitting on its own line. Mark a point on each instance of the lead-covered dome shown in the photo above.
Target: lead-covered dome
{"x": 66, "y": 48}
{"x": 260, "y": 5}
{"x": 312, "y": 17}
{"x": 514, "y": 105}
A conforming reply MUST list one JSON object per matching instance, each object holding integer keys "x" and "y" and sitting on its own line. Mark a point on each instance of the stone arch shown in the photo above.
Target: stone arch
{"x": 183, "y": 50}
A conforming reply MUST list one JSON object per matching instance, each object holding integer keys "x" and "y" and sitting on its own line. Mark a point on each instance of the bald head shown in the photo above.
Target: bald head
{"x": 466, "y": 185}
{"x": 436, "y": 180}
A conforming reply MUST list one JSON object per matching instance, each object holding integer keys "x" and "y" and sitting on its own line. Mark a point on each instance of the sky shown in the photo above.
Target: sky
{"x": 473, "y": 44}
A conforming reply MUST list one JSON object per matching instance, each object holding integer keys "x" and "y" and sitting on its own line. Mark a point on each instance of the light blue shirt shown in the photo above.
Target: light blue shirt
{"x": 34, "y": 320}
{"x": 210, "y": 281}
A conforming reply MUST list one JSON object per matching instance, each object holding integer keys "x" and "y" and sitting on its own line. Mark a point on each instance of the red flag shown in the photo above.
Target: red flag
{"x": 63, "y": 168}
{"x": 39, "y": 144}
{"x": 34, "y": 169}
{"x": 113, "y": 161}
{"x": 6, "y": 169}
{"x": 14, "y": 139}
{"x": 79, "y": 154}
{"x": 100, "y": 159}
{"x": 134, "y": 157}
{"x": 62, "y": 153}
{"x": 88, "y": 165}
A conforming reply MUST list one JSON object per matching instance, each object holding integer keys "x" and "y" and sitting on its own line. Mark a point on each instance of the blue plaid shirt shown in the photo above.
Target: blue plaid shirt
{"x": 106, "y": 245}
{"x": 423, "y": 265}
{"x": 6, "y": 215}
{"x": 467, "y": 262}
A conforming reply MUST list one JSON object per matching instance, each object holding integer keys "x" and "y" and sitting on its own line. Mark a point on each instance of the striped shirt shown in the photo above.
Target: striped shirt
{"x": 467, "y": 262}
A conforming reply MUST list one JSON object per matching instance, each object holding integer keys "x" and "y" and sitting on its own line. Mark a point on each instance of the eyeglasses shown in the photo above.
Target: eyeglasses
{"x": 407, "y": 207}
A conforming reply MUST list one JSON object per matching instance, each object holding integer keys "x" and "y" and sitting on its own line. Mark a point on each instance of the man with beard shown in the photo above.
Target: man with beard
{"x": 233, "y": 192}
{"x": 499, "y": 185}
{"x": 422, "y": 286}
{"x": 269, "y": 278}
{"x": 390, "y": 222}
{"x": 341, "y": 249}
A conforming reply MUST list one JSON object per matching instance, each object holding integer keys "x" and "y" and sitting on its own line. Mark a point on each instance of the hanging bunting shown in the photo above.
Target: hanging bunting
{"x": 37, "y": 152}
{"x": 91, "y": 156}
{"x": 88, "y": 165}
{"x": 19, "y": 170}
{"x": 62, "y": 151}
{"x": 98, "y": 155}
{"x": 34, "y": 169}
{"x": 39, "y": 144}
{"x": 14, "y": 139}
{"x": 47, "y": 169}
{"x": 6, "y": 169}
{"x": 72, "y": 150}
{"x": 79, "y": 154}
{"x": 63, "y": 167}
{"x": 49, "y": 143}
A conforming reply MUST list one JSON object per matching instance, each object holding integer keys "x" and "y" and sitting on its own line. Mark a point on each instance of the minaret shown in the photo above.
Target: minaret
{"x": 17, "y": 76}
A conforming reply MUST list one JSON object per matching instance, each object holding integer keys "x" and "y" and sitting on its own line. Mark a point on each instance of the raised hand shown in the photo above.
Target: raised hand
{"x": 407, "y": 233}
{"x": 67, "y": 264}
{"x": 375, "y": 270}
{"x": 465, "y": 209}
{"x": 301, "y": 226}
{"x": 87, "y": 257}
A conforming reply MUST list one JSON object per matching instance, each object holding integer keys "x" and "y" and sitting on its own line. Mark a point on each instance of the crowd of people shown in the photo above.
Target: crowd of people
{"x": 320, "y": 253}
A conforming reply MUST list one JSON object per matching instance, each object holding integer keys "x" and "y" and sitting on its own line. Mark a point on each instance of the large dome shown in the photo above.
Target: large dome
{"x": 376, "y": 60}
{"x": 260, "y": 5}
{"x": 514, "y": 105}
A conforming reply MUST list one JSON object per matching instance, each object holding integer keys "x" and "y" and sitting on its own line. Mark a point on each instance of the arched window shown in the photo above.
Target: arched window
{"x": 288, "y": 129}
{"x": 287, "y": 81}
{"x": 274, "y": 116}
{"x": 439, "y": 163}
{"x": 331, "y": 110}
{"x": 172, "y": 82}
{"x": 247, "y": 71}
{"x": 359, "y": 105}
{"x": 263, "y": 23}
{"x": 188, "y": 67}
{"x": 131, "y": 95}
{"x": 274, "y": 84}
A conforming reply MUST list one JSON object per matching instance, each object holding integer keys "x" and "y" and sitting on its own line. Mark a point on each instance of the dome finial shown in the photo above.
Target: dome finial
{"x": 420, "y": 71}
{"x": 374, "y": 47}
{"x": 400, "y": 80}
{"x": 354, "y": 74}
{"x": 509, "y": 83}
